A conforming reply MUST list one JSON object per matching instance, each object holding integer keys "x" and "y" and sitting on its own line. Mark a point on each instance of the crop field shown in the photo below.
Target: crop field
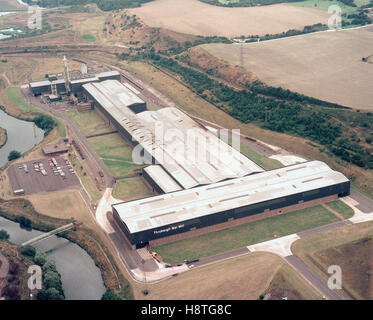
{"x": 246, "y": 234}
{"x": 326, "y": 65}
{"x": 198, "y": 18}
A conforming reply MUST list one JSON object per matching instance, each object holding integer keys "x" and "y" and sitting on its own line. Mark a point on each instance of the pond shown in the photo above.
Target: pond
{"x": 22, "y": 136}
{"x": 81, "y": 278}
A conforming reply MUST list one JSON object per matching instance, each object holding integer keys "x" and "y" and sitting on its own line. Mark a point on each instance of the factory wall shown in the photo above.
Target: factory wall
{"x": 138, "y": 238}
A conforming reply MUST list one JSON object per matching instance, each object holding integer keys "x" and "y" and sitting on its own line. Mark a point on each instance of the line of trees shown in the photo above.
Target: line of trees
{"x": 279, "y": 110}
{"x": 104, "y": 5}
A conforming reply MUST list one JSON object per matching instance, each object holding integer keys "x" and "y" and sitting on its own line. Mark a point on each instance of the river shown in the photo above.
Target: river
{"x": 22, "y": 136}
{"x": 81, "y": 278}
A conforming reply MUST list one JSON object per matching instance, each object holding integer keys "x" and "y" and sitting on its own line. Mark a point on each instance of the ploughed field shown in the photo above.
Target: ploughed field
{"x": 326, "y": 65}
{"x": 198, "y": 18}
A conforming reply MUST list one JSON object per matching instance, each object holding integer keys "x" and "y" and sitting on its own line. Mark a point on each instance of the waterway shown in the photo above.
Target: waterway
{"x": 81, "y": 278}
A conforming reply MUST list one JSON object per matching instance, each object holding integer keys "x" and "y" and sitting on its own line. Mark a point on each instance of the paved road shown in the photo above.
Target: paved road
{"x": 130, "y": 256}
{"x": 313, "y": 278}
{"x": 325, "y": 228}
{"x": 221, "y": 256}
{"x": 365, "y": 203}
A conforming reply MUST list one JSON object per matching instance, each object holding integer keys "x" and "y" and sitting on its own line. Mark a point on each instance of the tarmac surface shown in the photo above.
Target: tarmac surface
{"x": 35, "y": 182}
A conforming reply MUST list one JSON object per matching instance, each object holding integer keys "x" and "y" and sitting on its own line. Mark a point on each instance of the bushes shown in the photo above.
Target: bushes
{"x": 24, "y": 222}
{"x": 109, "y": 295}
{"x": 52, "y": 284}
{"x": 4, "y": 235}
{"x": 45, "y": 122}
{"x": 28, "y": 251}
{"x": 14, "y": 155}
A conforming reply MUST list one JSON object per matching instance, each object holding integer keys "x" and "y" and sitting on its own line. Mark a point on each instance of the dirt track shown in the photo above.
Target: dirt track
{"x": 198, "y": 18}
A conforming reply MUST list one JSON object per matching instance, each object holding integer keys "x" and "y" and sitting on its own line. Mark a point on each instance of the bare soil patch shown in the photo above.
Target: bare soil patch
{"x": 198, "y": 18}
{"x": 326, "y": 65}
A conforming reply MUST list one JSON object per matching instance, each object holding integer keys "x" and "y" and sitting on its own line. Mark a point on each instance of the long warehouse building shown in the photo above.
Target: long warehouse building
{"x": 192, "y": 156}
{"x": 164, "y": 216}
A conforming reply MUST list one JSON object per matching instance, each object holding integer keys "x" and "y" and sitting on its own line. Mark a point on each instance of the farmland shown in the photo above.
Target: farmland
{"x": 325, "y": 65}
{"x": 198, "y": 18}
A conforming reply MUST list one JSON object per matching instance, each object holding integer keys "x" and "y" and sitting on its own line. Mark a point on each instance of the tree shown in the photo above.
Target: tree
{"x": 4, "y": 235}
{"x": 40, "y": 258}
{"x": 24, "y": 222}
{"x": 28, "y": 251}
{"x": 14, "y": 155}
{"x": 50, "y": 265}
{"x": 49, "y": 294}
{"x": 52, "y": 279}
{"x": 110, "y": 295}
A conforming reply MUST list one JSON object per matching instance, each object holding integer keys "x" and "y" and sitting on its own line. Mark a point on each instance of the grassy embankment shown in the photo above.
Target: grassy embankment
{"x": 11, "y": 252}
{"x": 249, "y": 277}
{"x": 351, "y": 249}
{"x": 3, "y": 137}
{"x": 246, "y": 234}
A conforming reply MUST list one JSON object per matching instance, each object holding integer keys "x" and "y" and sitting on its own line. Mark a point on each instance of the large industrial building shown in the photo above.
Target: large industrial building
{"x": 192, "y": 157}
{"x": 58, "y": 86}
{"x": 146, "y": 220}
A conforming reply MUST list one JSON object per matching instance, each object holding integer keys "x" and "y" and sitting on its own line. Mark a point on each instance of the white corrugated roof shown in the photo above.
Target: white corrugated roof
{"x": 176, "y": 207}
{"x": 163, "y": 179}
{"x": 181, "y": 156}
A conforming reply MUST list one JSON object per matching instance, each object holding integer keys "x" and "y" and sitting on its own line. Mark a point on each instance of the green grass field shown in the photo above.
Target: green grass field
{"x": 246, "y": 234}
{"x": 88, "y": 122}
{"x": 88, "y": 38}
{"x": 325, "y": 4}
{"x": 116, "y": 154}
{"x": 264, "y": 162}
{"x": 131, "y": 189}
{"x": 341, "y": 208}
{"x": 87, "y": 182}
{"x": 15, "y": 96}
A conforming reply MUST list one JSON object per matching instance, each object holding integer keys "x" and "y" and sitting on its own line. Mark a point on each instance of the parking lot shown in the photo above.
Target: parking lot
{"x": 45, "y": 175}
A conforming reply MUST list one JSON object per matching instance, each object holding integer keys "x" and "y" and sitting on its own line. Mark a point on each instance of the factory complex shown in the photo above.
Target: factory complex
{"x": 202, "y": 182}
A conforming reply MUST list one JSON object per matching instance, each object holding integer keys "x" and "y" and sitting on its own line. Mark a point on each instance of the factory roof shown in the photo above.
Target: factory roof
{"x": 113, "y": 96}
{"x": 84, "y": 80}
{"x": 178, "y": 147}
{"x": 162, "y": 210}
{"x": 107, "y": 74}
{"x": 163, "y": 179}
{"x": 45, "y": 83}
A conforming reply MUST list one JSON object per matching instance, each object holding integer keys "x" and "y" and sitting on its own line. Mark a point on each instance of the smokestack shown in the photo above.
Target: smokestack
{"x": 66, "y": 74}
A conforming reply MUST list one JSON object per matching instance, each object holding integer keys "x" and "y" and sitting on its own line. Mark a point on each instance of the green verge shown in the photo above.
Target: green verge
{"x": 246, "y": 234}
{"x": 16, "y": 97}
{"x": 264, "y": 162}
{"x": 131, "y": 189}
{"x": 342, "y": 208}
